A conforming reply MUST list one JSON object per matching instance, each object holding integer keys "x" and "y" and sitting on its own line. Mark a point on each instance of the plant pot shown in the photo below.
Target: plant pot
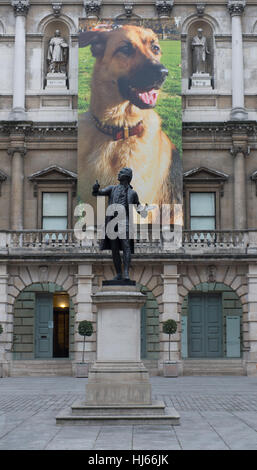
{"x": 170, "y": 369}
{"x": 82, "y": 369}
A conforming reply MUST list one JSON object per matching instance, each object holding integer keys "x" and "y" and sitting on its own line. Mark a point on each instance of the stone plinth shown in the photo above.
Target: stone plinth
{"x": 201, "y": 80}
{"x": 55, "y": 81}
{"x": 118, "y": 389}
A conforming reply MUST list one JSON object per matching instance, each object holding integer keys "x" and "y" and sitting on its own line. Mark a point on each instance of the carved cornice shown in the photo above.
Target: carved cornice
{"x": 38, "y": 129}
{"x": 57, "y": 7}
{"x": 164, "y": 7}
{"x": 199, "y": 129}
{"x": 21, "y": 7}
{"x": 236, "y": 7}
{"x": 93, "y": 7}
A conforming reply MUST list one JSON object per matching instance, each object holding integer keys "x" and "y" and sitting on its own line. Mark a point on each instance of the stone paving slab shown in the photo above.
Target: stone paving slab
{"x": 217, "y": 413}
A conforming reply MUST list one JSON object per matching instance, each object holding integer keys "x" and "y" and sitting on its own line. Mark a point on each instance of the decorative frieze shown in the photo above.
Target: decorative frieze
{"x": 236, "y": 7}
{"x": 164, "y": 7}
{"x": 93, "y": 7}
{"x": 21, "y": 7}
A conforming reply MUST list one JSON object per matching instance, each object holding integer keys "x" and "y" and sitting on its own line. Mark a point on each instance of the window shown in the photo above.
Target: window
{"x": 202, "y": 211}
{"x": 54, "y": 211}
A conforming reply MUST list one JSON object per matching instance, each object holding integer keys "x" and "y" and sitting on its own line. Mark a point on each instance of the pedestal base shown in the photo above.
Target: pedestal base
{"x": 118, "y": 389}
{"x": 118, "y": 383}
{"x": 82, "y": 414}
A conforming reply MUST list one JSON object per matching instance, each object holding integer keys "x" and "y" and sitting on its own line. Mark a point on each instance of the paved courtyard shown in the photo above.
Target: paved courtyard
{"x": 217, "y": 413}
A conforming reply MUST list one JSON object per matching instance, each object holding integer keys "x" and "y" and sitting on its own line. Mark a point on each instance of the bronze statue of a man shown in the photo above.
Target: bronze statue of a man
{"x": 124, "y": 195}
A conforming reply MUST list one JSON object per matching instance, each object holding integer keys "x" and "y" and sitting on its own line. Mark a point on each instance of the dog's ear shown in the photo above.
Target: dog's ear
{"x": 97, "y": 40}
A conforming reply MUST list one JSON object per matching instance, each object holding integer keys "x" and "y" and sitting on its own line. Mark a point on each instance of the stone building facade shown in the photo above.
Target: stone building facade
{"x": 209, "y": 285}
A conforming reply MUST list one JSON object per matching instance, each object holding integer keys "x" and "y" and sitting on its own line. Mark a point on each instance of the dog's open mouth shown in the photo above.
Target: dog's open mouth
{"x": 148, "y": 98}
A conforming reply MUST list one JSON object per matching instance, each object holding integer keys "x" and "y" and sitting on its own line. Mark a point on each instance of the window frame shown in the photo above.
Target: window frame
{"x": 202, "y": 188}
{"x": 54, "y": 188}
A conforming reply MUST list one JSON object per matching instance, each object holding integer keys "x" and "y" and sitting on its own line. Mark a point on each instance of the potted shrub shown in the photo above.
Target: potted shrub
{"x": 1, "y": 365}
{"x": 85, "y": 329}
{"x": 170, "y": 368}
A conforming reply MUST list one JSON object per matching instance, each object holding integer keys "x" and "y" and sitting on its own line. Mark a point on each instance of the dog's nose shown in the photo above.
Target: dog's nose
{"x": 160, "y": 72}
{"x": 164, "y": 72}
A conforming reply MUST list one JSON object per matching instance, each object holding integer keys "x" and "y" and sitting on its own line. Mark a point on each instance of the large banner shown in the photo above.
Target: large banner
{"x": 130, "y": 108}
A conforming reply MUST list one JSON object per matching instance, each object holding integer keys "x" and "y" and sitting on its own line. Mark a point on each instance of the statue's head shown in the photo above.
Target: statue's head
{"x": 200, "y": 32}
{"x": 125, "y": 174}
{"x": 57, "y": 33}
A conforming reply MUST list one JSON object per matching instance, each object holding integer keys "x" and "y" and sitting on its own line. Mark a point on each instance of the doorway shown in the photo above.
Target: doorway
{"x": 205, "y": 326}
{"x": 52, "y": 325}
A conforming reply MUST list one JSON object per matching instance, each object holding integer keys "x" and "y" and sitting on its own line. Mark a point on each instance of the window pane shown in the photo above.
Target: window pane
{"x": 202, "y": 223}
{"x": 54, "y": 223}
{"x": 55, "y": 204}
{"x": 202, "y": 204}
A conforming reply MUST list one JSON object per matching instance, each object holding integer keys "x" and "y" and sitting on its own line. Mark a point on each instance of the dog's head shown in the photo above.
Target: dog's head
{"x": 128, "y": 57}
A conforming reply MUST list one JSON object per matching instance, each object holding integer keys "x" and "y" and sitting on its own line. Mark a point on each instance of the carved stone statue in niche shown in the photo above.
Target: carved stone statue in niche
{"x": 200, "y": 52}
{"x": 57, "y": 54}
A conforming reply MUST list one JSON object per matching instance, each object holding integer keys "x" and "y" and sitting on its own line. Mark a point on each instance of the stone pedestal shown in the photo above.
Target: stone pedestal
{"x": 201, "y": 80}
{"x": 118, "y": 389}
{"x": 56, "y": 81}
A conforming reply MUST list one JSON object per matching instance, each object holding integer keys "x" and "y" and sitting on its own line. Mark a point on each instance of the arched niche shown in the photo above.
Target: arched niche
{"x": 2, "y": 29}
{"x": 208, "y": 33}
{"x": 49, "y": 32}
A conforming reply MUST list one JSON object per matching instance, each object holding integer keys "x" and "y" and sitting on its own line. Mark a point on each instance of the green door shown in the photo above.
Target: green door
{"x": 44, "y": 326}
{"x": 205, "y": 325}
{"x": 233, "y": 335}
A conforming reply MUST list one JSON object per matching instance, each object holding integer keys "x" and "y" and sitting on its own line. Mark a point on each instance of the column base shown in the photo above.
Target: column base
{"x": 18, "y": 114}
{"x": 238, "y": 114}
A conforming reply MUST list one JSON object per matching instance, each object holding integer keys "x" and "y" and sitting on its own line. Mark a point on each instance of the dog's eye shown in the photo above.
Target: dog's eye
{"x": 126, "y": 50}
{"x": 155, "y": 48}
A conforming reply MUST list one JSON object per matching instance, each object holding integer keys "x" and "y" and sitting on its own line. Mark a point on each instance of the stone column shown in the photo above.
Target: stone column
{"x": 21, "y": 8}
{"x": 170, "y": 310}
{"x": 6, "y": 336}
{"x": 84, "y": 310}
{"x": 17, "y": 187}
{"x": 236, "y": 9}
{"x": 251, "y": 360}
{"x": 239, "y": 153}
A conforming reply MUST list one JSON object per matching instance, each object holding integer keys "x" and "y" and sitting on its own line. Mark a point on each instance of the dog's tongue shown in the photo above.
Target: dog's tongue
{"x": 149, "y": 97}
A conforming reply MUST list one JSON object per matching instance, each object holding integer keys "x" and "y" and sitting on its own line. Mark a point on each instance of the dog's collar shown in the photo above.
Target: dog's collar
{"x": 118, "y": 133}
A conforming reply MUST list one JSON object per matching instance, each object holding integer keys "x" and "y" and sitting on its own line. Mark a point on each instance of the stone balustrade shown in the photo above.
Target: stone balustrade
{"x": 191, "y": 242}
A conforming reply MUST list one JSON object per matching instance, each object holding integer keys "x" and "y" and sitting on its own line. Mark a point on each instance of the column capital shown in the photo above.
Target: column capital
{"x": 21, "y": 150}
{"x": 236, "y": 7}
{"x": 21, "y": 7}
{"x": 237, "y": 148}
